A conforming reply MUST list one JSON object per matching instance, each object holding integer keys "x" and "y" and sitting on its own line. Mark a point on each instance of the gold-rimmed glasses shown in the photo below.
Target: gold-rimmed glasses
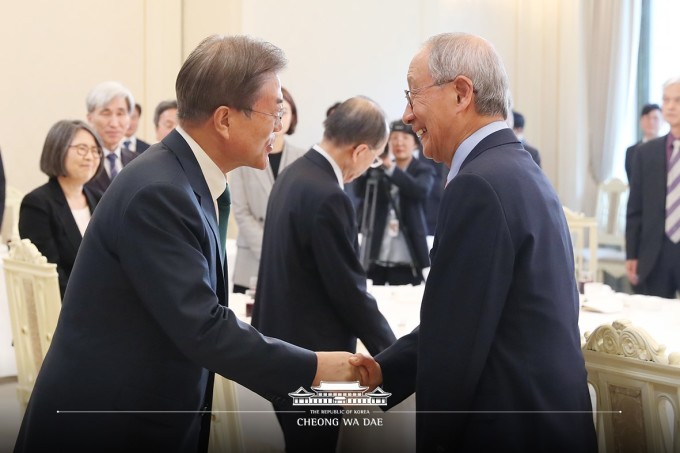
{"x": 410, "y": 94}
{"x": 82, "y": 150}
{"x": 278, "y": 116}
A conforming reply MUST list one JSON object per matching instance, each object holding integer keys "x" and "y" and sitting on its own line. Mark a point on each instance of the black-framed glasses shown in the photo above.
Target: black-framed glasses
{"x": 278, "y": 116}
{"x": 82, "y": 150}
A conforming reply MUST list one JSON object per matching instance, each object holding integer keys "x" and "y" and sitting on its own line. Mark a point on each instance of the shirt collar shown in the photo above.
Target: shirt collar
{"x": 115, "y": 151}
{"x": 334, "y": 164}
{"x": 469, "y": 144}
{"x": 214, "y": 177}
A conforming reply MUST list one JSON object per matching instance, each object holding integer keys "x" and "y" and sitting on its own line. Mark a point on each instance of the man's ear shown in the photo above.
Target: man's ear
{"x": 464, "y": 90}
{"x": 358, "y": 150}
{"x": 220, "y": 119}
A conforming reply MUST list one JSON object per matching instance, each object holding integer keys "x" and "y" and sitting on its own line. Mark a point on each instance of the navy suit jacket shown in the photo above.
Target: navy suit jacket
{"x": 46, "y": 219}
{"x": 102, "y": 181}
{"x": 141, "y": 146}
{"x": 415, "y": 185}
{"x": 311, "y": 288}
{"x": 499, "y": 318}
{"x": 144, "y": 322}
{"x": 646, "y": 213}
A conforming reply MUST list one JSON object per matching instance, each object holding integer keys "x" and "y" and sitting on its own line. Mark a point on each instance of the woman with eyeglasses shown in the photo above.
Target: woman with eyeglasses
{"x": 250, "y": 190}
{"x": 54, "y": 216}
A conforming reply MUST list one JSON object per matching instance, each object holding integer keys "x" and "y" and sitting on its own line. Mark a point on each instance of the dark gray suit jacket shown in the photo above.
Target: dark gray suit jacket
{"x": 46, "y": 219}
{"x": 311, "y": 288}
{"x": 498, "y": 327}
{"x": 144, "y": 323}
{"x": 646, "y": 213}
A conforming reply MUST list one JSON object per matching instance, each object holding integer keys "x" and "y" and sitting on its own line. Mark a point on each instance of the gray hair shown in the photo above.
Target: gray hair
{"x": 106, "y": 92}
{"x": 224, "y": 70}
{"x": 57, "y": 144}
{"x": 162, "y": 107}
{"x": 454, "y": 54}
{"x": 671, "y": 81}
{"x": 357, "y": 120}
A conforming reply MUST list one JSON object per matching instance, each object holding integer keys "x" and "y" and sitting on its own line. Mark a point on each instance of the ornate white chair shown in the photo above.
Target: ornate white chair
{"x": 583, "y": 232}
{"x": 34, "y": 304}
{"x": 611, "y": 208}
{"x": 225, "y": 428}
{"x": 10, "y": 220}
{"x": 637, "y": 390}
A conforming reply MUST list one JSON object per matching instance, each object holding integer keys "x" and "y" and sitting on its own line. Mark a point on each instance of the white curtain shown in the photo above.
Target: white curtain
{"x": 612, "y": 33}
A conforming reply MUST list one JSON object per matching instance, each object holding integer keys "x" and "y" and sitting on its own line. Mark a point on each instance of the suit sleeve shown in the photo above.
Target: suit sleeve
{"x": 634, "y": 210}
{"x": 162, "y": 248}
{"x": 342, "y": 274}
{"x": 415, "y": 186}
{"x": 399, "y": 367}
{"x": 250, "y": 228}
{"x": 35, "y": 223}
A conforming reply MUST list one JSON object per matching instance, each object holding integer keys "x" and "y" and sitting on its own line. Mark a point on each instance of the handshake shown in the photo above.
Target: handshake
{"x": 344, "y": 366}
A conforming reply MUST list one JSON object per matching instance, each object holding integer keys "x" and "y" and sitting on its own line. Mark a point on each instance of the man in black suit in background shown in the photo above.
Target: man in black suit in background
{"x": 652, "y": 248}
{"x": 650, "y": 122}
{"x": 518, "y": 128}
{"x": 131, "y": 142}
{"x": 311, "y": 289}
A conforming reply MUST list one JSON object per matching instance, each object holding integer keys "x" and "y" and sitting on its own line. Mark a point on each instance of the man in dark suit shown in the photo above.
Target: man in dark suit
{"x": 109, "y": 106}
{"x": 518, "y": 128}
{"x": 652, "y": 249}
{"x": 650, "y": 122}
{"x": 311, "y": 289}
{"x": 398, "y": 234}
{"x": 131, "y": 142}
{"x": 144, "y": 322}
{"x": 496, "y": 362}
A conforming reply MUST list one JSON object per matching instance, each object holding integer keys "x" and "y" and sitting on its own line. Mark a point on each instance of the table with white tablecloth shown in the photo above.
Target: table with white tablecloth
{"x": 401, "y": 306}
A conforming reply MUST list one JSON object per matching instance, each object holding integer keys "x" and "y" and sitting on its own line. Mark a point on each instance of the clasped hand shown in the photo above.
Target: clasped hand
{"x": 342, "y": 367}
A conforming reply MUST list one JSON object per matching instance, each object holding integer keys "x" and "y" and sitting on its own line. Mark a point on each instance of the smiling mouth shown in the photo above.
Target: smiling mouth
{"x": 420, "y": 132}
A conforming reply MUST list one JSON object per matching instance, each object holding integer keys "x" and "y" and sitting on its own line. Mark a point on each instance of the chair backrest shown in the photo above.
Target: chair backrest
{"x": 637, "y": 389}
{"x": 34, "y": 304}
{"x": 612, "y": 202}
{"x": 583, "y": 232}
{"x": 10, "y": 220}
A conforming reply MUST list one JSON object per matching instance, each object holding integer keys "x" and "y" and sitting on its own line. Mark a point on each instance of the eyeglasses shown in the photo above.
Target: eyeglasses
{"x": 410, "y": 94}
{"x": 278, "y": 115}
{"x": 82, "y": 150}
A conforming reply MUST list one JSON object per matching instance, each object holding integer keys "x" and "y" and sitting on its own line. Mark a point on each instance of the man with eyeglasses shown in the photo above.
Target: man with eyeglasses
{"x": 311, "y": 288}
{"x": 144, "y": 323}
{"x": 496, "y": 362}
{"x": 109, "y": 106}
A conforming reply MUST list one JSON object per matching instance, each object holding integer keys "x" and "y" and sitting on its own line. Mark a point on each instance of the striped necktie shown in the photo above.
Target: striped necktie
{"x": 673, "y": 195}
{"x": 112, "y": 165}
{"x": 223, "y": 206}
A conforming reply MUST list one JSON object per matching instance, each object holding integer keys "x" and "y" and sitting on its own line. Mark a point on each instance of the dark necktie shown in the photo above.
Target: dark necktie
{"x": 223, "y": 206}
{"x": 112, "y": 165}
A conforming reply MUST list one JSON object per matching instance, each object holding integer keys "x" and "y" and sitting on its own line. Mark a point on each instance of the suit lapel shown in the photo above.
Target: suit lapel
{"x": 64, "y": 214}
{"x": 176, "y": 143}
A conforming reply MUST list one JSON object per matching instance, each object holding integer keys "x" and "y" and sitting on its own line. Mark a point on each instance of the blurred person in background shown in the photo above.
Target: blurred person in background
{"x": 398, "y": 244}
{"x": 131, "y": 141}
{"x": 165, "y": 118}
{"x": 109, "y": 106}
{"x": 250, "y": 189}
{"x": 55, "y": 215}
{"x": 650, "y": 124}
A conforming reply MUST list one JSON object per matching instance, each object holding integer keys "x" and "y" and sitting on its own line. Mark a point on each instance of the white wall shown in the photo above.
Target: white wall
{"x": 54, "y": 51}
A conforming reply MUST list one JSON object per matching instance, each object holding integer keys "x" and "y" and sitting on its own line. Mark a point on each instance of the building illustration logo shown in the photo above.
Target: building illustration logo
{"x": 339, "y": 393}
